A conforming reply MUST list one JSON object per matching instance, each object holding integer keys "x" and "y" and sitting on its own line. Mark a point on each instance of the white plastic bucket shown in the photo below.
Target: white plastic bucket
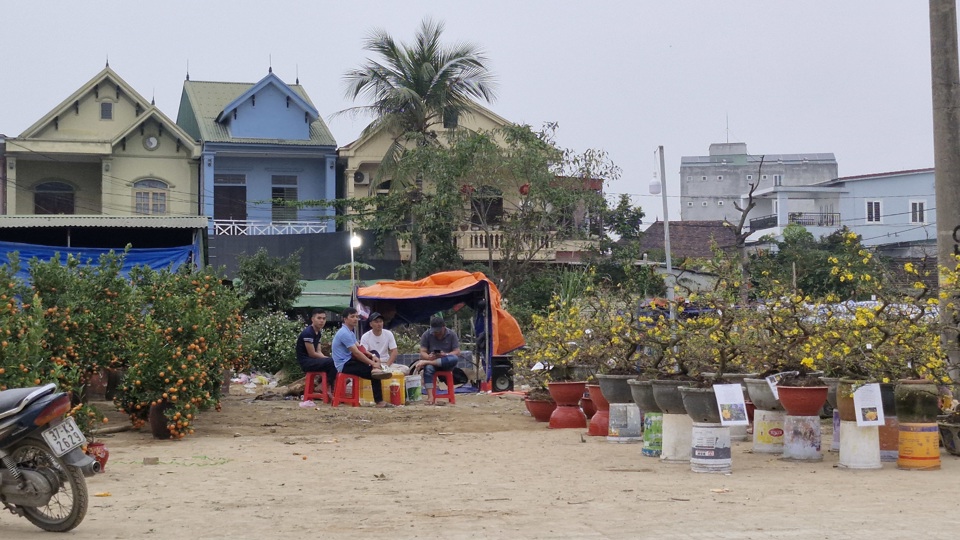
{"x": 710, "y": 448}
{"x": 625, "y": 424}
{"x": 835, "y": 441}
{"x": 738, "y": 433}
{"x": 859, "y": 446}
{"x": 767, "y": 432}
{"x": 801, "y": 438}
{"x": 677, "y": 434}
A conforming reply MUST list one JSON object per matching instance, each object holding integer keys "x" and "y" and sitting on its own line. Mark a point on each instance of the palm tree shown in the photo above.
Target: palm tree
{"x": 415, "y": 87}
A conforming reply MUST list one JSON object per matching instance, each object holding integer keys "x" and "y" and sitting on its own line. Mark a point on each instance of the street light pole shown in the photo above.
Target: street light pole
{"x": 661, "y": 187}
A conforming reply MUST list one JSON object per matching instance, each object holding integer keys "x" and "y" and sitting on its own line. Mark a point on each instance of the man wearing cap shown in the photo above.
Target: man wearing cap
{"x": 378, "y": 341}
{"x": 439, "y": 351}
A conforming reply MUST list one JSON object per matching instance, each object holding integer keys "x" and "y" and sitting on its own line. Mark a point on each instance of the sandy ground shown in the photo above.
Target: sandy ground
{"x": 478, "y": 469}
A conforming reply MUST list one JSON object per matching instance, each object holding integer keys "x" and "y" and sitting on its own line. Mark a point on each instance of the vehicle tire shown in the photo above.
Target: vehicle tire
{"x": 68, "y": 506}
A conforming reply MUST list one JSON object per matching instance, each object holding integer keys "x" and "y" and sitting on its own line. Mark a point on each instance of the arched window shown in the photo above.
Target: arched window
{"x": 150, "y": 197}
{"x": 53, "y": 198}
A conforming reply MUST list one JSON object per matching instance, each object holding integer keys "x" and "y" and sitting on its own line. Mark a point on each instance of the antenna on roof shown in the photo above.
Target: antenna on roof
{"x": 153, "y": 97}
{"x": 270, "y": 69}
{"x": 298, "y": 73}
{"x": 108, "y": 60}
{"x": 728, "y": 127}
{"x": 188, "y": 69}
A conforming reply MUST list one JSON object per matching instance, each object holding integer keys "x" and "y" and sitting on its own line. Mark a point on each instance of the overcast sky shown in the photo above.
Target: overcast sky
{"x": 850, "y": 77}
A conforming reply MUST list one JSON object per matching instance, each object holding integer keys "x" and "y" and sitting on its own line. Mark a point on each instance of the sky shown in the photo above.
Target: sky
{"x": 784, "y": 77}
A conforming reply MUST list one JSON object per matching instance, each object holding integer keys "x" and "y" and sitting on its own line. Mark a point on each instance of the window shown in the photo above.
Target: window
{"x": 451, "y": 118}
{"x": 764, "y": 177}
{"x": 916, "y": 212}
{"x": 873, "y": 211}
{"x": 749, "y": 177}
{"x": 689, "y": 179}
{"x": 777, "y": 180}
{"x": 689, "y": 204}
{"x": 106, "y": 110}
{"x": 150, "y": 197}
{"x": 486, "y": 204}
{"x": 719, "y": 203}
{"x": 53, "y": 198}
{"x": 284, "y": 189}
{"x": 703, "y": 178}
{"x": 704, "y": 203}
{"x": 229, "y": 197}
{"x": 720, "y": 178}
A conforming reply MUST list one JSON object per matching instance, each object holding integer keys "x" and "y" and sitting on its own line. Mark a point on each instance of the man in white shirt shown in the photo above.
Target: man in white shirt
{"x": 379, "y": 341}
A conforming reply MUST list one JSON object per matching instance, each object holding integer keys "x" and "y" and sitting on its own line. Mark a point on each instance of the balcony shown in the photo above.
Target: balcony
{"x": 807, "y": 219}
{"x": 235, "y": 227}
{"x": 478, "y": 245}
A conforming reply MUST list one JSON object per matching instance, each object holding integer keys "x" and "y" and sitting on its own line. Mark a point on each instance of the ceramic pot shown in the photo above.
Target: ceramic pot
{"x": 761, "y": 395}
{"x": 950, "y": 437}
{"x": 587, "y": 406}
{"x": 540, "y": 409}
{"x": 99, "y": 452}
{"x": 615, "y": 388}
{"x": 917, "y": 401}
{"x": 803, "y": 400}
{"x": 845, "y": 390}
{"x": 158, "y": 420}
{"x": 643, "y": 396}
{"x": 701, "y": 404}
{"x": 832, "y": 384}
{"x": 600, "y": 423}
{"x": 667, "y": 396}
{"x": 568, "y": 413}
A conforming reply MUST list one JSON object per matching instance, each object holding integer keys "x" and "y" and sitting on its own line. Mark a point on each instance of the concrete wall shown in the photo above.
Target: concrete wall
{"x": 269, "y": 117}
{"x": 895, "y": 192}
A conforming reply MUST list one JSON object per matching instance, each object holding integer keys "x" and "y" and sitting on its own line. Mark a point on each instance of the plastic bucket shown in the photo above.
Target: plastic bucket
{"x": 675, "y": 442}
{"x": 710, "y": 448}
{"x": 919, "y": 447}
{"x": 652, "y": 434}
{"x": 859, "y": 446}
{"x": 626, "y": 423}
{"x": 890, "y": 439}
{"x": 767, "y": 432}
{"x": 366, "y": 389}
{"x": 413, "y": 384}
{"x": 801, "y": 438}
{"x": 835, "y": 440}
{"x": 738, "y": 433}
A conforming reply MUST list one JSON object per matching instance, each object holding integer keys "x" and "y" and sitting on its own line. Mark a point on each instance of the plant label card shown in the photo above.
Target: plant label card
{"x": 772, "y": 380}
{"x": 733, "y": 411}
{"x": 867, "y": 404}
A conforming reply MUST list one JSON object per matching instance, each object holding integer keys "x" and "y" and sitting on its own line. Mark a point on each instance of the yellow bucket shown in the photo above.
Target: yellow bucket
{"x": 366, "y": 390}
{"x": 919, "y": 446}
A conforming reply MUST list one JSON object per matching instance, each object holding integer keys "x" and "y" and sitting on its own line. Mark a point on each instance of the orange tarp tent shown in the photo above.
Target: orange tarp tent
{"x": 404, "y": 302}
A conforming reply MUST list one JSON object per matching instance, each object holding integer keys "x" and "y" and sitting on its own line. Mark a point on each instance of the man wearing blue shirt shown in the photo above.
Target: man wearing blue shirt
{"x": 349, "y": 359}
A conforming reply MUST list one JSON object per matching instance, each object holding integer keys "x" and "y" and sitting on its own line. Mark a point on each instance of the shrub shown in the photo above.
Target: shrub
{"x": 269, "y": 342}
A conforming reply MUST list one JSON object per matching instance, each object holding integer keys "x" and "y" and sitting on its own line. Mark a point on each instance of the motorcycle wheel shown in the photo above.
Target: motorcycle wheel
{"x": 68, "y": 506}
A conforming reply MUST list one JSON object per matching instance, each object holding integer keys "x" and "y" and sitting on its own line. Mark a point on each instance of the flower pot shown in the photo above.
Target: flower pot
{"x": 832, "y": 384}
{"x": 99, "y": 452}
{"x": 667, "y": 396}
{"x": 701, "y": 404}
{"x": 540, "y": 409}
{"x": 587, "y": 406}
{"x": 158, "y": 420}
{"x": 950, "y": 437}
{"x": 803, "y": 400}
{"x": 568, "y": 413}
{"x": 643, "y": 396}
{"x": 917, "y": 401}
{"x": 761, "y": 395}
{"x": 615, "y": 388}
{"x": 600, "y": 423}
{"x": 845, "y": 390}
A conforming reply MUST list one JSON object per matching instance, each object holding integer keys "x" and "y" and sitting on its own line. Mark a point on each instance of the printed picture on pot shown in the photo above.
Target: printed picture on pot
{"x": 866, "y": 401}
{"x": 869, "y": 414}
{"x": 733, "y": 410}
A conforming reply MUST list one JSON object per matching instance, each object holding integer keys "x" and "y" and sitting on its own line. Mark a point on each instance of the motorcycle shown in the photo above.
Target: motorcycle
{"x": 42, "y": 465}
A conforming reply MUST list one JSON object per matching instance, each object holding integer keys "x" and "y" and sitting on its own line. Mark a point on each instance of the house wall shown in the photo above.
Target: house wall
{"x": 87, "y": 125}
{"x": 269, "y": 118}
{"x": 710, "y": 187}
{"x": 895, "y": 193}
{"x": 84, "y": 177}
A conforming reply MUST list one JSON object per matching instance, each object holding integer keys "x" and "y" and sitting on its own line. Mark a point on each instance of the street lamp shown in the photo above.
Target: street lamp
{"x": 659, "y": 185}
{"x": 355, "y": 242}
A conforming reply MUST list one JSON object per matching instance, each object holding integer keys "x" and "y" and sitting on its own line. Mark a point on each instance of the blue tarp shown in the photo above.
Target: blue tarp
{"x": 155, "y": 258}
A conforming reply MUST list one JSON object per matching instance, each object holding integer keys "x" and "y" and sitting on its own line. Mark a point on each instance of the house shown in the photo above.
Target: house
{"x": 892, "y": 211}
{"x": 262, "y": 144}
{"x": 478, "y": 240}
{"x": 710, "y": 185}
{"x": 103, "y": 169}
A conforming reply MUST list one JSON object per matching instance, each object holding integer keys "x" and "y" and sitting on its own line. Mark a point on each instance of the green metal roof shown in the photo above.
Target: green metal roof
{"x": 331, "y": 294}
{"x": 206, "y": 100}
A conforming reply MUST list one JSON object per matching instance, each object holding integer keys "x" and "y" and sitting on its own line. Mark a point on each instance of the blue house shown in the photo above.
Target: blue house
{"x": 261, "y": 143}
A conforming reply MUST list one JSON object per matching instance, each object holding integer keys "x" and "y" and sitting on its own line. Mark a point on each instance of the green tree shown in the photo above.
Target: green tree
{"x": 269, "y": 283}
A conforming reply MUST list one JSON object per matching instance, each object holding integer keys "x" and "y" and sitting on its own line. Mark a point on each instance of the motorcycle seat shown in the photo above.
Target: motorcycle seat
{"x": 15, "y": 400}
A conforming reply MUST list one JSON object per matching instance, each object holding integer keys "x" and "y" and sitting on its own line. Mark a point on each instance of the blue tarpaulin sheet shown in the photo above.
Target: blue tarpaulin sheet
{"x": 155, "y": 258}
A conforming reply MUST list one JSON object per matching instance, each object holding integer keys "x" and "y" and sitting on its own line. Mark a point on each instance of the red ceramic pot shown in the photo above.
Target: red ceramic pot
{"x": 540, "y": 409}
{"x": 802, "y": 400}
{"x": 587, "y": 406}
{"x": 568, "y": 413}
{"x": 600, "y": 422}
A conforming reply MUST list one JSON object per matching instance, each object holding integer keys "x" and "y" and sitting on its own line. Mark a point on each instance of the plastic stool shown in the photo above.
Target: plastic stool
{"x": 309, "y": 393}
{"x": 340, "y": 391}
{"x": 451, "y": 395}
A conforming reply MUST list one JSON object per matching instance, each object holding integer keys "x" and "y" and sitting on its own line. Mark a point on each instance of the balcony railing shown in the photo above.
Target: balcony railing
{"x": 481, "y": 245}
{"x": 807, "y": 219}
{"x": 236, "y": 227}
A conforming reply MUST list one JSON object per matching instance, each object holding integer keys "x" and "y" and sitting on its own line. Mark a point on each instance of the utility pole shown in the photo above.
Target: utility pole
{"x": 945, "y": 83}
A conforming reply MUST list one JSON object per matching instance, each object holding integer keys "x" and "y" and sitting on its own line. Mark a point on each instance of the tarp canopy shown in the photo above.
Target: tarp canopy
{"x": 405, "y": 302}
{"x": 155, "y": 258}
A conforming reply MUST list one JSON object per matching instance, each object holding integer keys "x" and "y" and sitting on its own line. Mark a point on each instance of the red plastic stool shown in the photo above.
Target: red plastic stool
{"x": 451, "y": 395}
{"x": 308, "y": 391}
{"x": 340, "y": 391}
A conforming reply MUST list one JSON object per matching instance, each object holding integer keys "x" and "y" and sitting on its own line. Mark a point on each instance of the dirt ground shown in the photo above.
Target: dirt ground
{"x": 479, "y": 469}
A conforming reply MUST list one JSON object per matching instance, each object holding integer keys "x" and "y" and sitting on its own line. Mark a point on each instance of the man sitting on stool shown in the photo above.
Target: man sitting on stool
{"x": 351, "y": 360}
{"x": 439, "y": 351}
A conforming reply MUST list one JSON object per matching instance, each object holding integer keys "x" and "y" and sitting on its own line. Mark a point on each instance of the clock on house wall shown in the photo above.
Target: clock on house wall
{"x": 151, "y": 142}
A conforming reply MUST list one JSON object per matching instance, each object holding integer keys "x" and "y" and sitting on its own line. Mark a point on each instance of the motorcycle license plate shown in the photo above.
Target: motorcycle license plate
{"x": 64, "y": 436}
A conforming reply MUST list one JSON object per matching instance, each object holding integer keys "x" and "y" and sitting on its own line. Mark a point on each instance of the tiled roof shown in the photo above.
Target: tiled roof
{"x": 689, "y": 238}
{"x": 209, "y": 98}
